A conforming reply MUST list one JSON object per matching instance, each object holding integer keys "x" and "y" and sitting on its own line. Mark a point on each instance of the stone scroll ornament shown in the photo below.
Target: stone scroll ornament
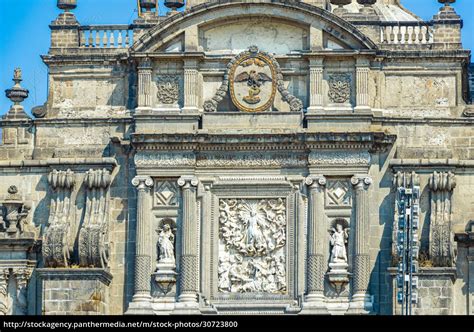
{"x": 93, "y": 235}
{"x": 441, "y": 245}
{"x": 252, "y": 256}
{"x": 252, "y": 79}
{"x": 56, "y": 247}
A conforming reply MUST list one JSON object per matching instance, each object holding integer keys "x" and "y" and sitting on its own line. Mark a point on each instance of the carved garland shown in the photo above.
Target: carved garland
{"x": 296, "y": 104}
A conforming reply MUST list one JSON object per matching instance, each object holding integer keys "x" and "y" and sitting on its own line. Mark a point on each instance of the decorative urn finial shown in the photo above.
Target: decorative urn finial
{"x": 67, "y": 5}
{"x": 446, "y": 2}
{"x": 366, "y": 3}
{"x": 147, "y": 8}
{"x": 341, "y": 3}
{"x": 174, "y": 4}
{"x": 17, "y": 94}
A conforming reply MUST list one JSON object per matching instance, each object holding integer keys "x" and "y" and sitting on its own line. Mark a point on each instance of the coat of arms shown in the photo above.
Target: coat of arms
{"x": 253, "y": 82}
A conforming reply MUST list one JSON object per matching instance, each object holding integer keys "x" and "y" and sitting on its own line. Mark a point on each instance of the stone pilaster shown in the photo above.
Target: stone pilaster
{"x": 144, "y": 84}
{"x": 191, "y": 85}
{"x": 361, "y": 301}
{"x": 315, "y": 85}
{"x": 143, "y": 264}
{"x": 362, "y": 85}
{"x": 22, "y": 276}
{"x": 4, "y": 305}
{"x": 189, "y": 264}
{"x": 317, "y": 230}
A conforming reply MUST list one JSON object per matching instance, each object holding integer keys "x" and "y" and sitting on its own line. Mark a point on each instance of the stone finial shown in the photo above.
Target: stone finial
{"x": 447, "y": 2}
{"x": 17, "y": 95}
{"x": 147, "y": 8}
{"x": 174, "y": 4}
{"x": 340, "y": 10}
{"x": 67, "y": 5}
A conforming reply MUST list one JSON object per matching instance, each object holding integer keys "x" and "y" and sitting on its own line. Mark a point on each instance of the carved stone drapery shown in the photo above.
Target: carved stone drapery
{"x": 143, "y": 265}
{"x": 189, "y": 265}
{"x": 56, "y": 245}
{"x": 316, "y": 265}
{"x": 361, "y": 265}
{"x": 93, "y": 235}
{"x": 441, "y": 244}
{"x": 339, "y": 88}
{"x": 252, "y": 252}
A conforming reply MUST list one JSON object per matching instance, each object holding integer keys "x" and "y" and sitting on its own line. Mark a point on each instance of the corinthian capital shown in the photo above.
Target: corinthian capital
{"x": 315, "y": 180}
{"x": 142, "y": 182}
{"x": 359, "y": 181}
{"x": 188, "y": 180}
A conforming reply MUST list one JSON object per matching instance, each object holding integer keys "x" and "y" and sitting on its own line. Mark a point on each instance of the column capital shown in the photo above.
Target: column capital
{"x": 142, "y": 182}
{"x": 145, "y": 64}
{"x": 188, "y": 180}
{"x": 315, "y": 180}
{"x": 359, "y": 181}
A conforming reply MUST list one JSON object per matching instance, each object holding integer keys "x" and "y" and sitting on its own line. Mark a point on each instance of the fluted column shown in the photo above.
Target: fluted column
{"x": 189, "y": 265}
{"x": 145, "y": 70}
{"x": 191, "y": 85}
{"x": 143, "y": 263}
{"x": 361, "y": 263}
{"x": 315, "y": 85}
{"x": 362, "y": 84}
{"x": 317, "y": 231}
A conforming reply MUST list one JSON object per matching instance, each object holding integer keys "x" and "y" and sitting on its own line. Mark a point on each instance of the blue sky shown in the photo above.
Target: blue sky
{"x": 25, "y": 34}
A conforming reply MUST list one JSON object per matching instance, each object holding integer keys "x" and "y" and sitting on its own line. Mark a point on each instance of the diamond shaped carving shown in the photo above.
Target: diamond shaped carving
{"x": 166, "y": 193}
{"x": 338, "y": 193}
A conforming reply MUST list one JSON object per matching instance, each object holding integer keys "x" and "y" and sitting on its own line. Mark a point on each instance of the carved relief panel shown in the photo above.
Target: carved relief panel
{"x": 338, "y": 193}
{"x": 252, "y": 244}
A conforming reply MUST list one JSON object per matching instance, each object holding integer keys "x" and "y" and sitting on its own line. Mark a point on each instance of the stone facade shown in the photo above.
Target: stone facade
{"x": 209, "y": 161}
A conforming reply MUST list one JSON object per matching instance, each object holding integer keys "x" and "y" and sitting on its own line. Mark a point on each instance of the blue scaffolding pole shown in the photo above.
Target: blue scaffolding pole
{"x": 407, "y": 247}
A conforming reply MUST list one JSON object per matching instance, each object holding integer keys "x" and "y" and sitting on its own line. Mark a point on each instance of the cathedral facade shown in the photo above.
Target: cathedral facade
{"x": 241, "y": 157}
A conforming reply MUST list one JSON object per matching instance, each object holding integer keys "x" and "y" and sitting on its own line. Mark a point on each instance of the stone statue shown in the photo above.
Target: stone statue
{"x": 338, "y": 241}
{"x": 166, "y": 244}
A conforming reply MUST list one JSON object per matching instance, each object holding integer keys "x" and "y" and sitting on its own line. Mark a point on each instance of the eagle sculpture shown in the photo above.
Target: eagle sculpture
{"x": 254, "y": 81}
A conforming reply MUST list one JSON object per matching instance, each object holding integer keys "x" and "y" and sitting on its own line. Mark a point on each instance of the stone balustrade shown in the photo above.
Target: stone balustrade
{"x": 414, "y": 33}
{"x": 105, "y": 36}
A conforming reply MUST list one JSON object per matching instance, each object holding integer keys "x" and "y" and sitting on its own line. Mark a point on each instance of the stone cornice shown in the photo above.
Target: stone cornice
{"x": 397, "y": 164}
{"x": 54, "y": 162}
{"x": 264, "y": 141}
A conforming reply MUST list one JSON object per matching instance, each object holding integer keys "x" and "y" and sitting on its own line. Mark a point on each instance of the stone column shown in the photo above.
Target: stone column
{"x": 4, "y": 305}
{"x": 362, "y": 85}
{"x": 143, "y": 264}
{"x": 315, "y": 85}
{"x": 145, "y": 70}
{"x": 361, "y": 301}
{"x": 191, "y": 85}
{"x": 189, "y": 264}
{"x": 317, "y": 234}
{"x": 22, "y": 276}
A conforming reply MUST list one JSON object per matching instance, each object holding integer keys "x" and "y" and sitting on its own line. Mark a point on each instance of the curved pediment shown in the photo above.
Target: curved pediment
{"x": 231, "y": 26}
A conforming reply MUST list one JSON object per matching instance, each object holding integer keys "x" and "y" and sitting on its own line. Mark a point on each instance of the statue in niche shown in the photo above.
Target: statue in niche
{"x": 338, "y": 240}
{"x": 166, "y": 245}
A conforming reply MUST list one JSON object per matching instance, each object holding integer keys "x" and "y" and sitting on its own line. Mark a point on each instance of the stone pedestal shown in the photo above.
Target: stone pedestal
{"x": 74, "y": 291}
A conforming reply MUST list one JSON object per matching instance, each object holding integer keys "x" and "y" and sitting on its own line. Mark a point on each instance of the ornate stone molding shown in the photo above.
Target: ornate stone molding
{"x": 94, "y": 233}
{"x": 339, "y": 158}
{"x": 157, "y": 159}
{"x": 295, "y": 104}
{"x": 441, "y": 245}
{"x": 56, "y": 245}
{"x": 251, "y": 159}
